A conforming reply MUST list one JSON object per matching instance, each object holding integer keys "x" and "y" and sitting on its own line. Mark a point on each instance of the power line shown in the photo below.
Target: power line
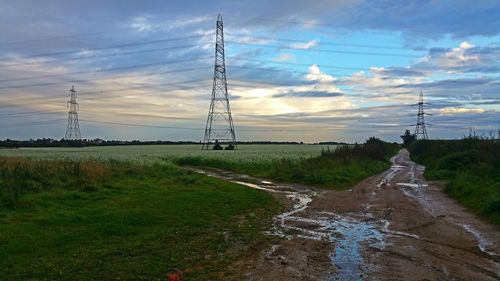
{"x": 94, "y": 71}
{"x": 165, "y": 63}
{"x": 199, "y": 129}
{"x": 112, "y": 90}
{"x": 64, "y": 36}
{"x": 328, "y": 25}
{"x": 139, "y": 125}
{"x": 268, "y": 129}
{"x": 29, "y": 113}
{"x": 329, "y": 43}
{"x": 287, "y": 63}
{"x": 84, "y": 95}
{"x": 295, "y": 63}
{"x": 123, "y": 45}
{"x": 325, "y": 51}
{"x": 32, "y": 123}
{"x": 103, "y": 55}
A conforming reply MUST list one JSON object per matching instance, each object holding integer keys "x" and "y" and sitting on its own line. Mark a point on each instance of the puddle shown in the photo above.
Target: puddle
{"x": 350, "y": 234}
{"x": 388, "y": 176}
{"x": 415, "y": 189}
{"x": 412, "y": 185}
{"x": 483, "y": 244}
{"x": 387, "y": 231}
{"x": 354, "y": 235}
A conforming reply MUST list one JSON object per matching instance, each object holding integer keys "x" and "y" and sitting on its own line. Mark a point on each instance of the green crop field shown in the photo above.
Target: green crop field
{"x": 144, "y": 154}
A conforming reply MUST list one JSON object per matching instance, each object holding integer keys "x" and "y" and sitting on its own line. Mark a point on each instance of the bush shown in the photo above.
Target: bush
{"x": 470, "y": 166}
{"x": 338, "y": 169}
{"x": 230, "y": 147}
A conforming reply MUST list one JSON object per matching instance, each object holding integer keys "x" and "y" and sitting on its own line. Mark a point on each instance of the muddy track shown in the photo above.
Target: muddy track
{"x": 392, "y": 226}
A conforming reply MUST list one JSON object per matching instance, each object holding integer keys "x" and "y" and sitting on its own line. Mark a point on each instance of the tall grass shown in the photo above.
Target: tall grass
{"x": 86, "y": 220}
{"x": 336, "y": 169}
{"x": 20, "y": 175}
{"x": 471, "y": 167}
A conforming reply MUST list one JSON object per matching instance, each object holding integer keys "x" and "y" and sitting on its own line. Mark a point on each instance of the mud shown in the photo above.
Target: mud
{"x": 392, "y": 226}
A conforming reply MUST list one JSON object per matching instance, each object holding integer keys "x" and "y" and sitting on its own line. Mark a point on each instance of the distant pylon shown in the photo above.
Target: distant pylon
{"x": 73, "y": 128}
{"x": 420, "y": 130}
{"x": 219, "y": 127}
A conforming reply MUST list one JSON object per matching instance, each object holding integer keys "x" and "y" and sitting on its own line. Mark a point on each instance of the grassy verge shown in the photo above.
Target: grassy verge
{"x": 337, "y": 169}
{"x": 471, "y": 168}
{"x": 102, "y": 221}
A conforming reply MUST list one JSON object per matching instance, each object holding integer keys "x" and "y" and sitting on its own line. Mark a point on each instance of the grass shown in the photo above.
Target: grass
{"x": 471, "y": 168}
{"x": 336, "y": 169}
{"x": 130, "y": 213}
{"x": 85, "y": 220}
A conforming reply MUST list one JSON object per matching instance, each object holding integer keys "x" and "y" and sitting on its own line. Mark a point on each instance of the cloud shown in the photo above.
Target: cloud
{"x": 315, "y": 74}
{"x": 461, "y": 110}
{"x": 308, "y": 94}
{"x": 284, "y": 57}
{"x": 464, "y": 58}
{"x": 423, "y": 19}
{"x": 141, "y": 24}
{"x": 304, "y": 46}
{"x": 396, "y": 71}
{"x": 461, "y": 81}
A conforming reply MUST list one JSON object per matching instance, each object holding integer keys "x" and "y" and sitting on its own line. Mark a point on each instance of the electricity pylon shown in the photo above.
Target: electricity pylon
{"x": 420, "y": 130}
{"x": 219, "y": 127}
{"x": 73, "y": 128}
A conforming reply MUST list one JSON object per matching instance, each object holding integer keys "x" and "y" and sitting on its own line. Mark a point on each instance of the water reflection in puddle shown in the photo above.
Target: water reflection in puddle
{"x": 348, "y": 233}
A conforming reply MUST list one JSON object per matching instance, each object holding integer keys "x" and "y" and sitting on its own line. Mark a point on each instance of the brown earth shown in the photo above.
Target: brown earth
{"x": 391, "y": 226}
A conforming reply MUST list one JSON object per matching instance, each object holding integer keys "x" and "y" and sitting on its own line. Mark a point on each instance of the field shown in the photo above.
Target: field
{"x": 144, "y": 154}
{"x": 130, "y": 212}
{"x": 85, "y": 220}
{"x": 334, "y": 168}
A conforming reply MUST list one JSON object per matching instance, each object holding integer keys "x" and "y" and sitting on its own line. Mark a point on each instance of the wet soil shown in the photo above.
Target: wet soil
{"x": 392, "y": 226}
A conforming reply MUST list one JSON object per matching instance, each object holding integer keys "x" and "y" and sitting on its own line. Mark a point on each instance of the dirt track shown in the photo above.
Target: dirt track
{"x": 392, "y": 226}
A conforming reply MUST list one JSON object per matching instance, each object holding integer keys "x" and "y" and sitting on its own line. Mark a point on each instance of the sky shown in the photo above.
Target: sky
{"x": 307, "y": 71}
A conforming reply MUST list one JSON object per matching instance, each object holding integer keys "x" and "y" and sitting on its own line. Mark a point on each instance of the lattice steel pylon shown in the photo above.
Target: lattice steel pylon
{"x": 73, "y": 128}
{"x": 420, "y": 130}
{"x": 219, "y": 127}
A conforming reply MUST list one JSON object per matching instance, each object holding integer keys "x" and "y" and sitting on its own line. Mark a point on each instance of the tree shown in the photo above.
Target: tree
{"x": 217, "y": 146}
{"x": 408, "y": 138}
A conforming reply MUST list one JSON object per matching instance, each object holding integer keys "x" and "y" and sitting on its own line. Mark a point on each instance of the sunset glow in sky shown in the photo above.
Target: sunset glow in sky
{"x": 297, "y": 70}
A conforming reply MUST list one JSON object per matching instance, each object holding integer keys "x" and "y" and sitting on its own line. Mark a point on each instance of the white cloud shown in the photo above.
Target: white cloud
{"x": 187, "y": 22}
{"x": 305, "y": 46}
{"x": 459, "y": 110}
{"x": 458, "y": 56}
{"x": 141, "y": 24}
{"x": 315, "y": 74}
{"x": 284, "y": 57}
{"x": 452, "y": 60}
